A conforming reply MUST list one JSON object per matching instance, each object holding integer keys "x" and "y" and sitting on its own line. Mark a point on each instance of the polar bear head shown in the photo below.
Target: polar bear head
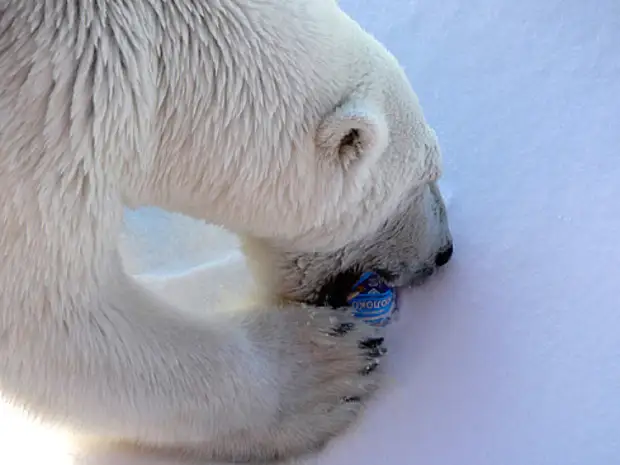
{"x": 356, "y": 188}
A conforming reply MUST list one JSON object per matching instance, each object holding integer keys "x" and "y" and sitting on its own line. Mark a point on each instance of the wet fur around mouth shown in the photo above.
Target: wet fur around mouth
{"x": 335, "y": 291}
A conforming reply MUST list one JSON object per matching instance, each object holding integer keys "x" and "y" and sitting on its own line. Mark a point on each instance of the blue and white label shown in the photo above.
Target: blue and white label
{"x": 372, "y": 300}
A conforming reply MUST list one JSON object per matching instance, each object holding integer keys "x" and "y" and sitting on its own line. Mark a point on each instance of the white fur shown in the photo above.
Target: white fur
{"x": 229, "y": 111}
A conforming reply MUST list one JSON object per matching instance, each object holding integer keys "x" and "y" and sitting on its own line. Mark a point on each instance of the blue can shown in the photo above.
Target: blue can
{"x": 372, "y": 300}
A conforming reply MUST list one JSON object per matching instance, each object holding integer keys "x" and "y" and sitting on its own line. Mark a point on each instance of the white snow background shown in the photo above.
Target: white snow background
{"x": 511, "y": 356}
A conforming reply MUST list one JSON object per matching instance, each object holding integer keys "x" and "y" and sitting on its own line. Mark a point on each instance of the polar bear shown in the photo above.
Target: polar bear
{"x": 280, "y": 120}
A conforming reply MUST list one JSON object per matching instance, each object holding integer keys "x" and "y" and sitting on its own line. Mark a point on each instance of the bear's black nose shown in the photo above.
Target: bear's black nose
{"x": 444, "y": 256}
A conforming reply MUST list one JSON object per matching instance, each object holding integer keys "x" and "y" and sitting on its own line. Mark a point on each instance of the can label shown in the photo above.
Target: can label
{"x": 372, "y": 300}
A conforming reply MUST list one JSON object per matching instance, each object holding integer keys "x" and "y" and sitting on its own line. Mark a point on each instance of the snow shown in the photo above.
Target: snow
{"x": 511, "y": 355}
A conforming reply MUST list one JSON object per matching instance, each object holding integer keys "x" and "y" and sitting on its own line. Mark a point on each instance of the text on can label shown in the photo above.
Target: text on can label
{"x": 373, "y": 304}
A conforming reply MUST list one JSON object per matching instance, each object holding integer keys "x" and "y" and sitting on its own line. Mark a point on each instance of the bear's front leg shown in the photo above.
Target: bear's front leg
{"x": 260, "y": 384}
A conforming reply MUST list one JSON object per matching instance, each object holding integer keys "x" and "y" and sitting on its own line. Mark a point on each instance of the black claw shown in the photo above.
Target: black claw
{"x": 376, "y": 352}
{"x": 343, "y": 329}
{"x": 347, "y": 400}
{"x": 370, "y": 367}
{"x": 371, "y": 343}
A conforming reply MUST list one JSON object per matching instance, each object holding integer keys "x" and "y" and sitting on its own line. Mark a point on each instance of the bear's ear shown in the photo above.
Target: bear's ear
{"x": 354, "y": 132}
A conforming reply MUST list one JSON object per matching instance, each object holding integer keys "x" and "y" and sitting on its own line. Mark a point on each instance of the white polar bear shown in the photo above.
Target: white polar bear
{"x": 281, "y": 120}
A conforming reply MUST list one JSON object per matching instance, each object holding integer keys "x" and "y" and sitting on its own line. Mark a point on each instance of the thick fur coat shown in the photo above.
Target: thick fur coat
{"x": 281, "y": 120}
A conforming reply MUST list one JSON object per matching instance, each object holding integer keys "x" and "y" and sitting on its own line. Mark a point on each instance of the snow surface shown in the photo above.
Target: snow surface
{"x": 511, "y": 356}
